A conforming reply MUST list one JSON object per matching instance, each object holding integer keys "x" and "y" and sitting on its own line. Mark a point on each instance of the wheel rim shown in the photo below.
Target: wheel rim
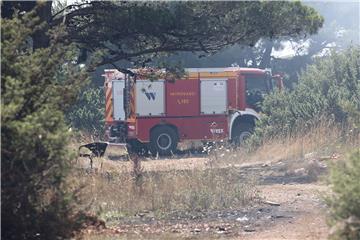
{"x": 244, "y": 136}
{"x": 164, "y": 141}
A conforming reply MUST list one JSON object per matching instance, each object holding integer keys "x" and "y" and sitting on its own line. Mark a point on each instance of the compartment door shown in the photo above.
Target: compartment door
{"x": 118, "y": 99}
{"x": 213, "y": 96}
{"x": 150, "y": 98}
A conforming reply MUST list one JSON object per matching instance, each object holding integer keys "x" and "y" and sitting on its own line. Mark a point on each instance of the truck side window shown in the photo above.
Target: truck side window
{"x": 256, "y": 86}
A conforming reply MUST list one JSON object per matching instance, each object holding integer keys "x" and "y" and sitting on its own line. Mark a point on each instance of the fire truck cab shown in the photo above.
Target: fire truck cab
{"x": 207, "y": 104}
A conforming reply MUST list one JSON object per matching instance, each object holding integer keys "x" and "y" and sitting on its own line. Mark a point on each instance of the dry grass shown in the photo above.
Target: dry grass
{"x": 325, "y": 141}
{"x": 117, "y": 194}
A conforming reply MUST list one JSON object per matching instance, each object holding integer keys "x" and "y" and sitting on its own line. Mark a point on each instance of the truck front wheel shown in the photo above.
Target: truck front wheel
{"x": 241, "y": 132}
{"x": 163, "y": 140}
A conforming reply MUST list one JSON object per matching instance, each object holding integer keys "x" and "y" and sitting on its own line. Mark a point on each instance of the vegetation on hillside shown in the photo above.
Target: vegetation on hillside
{"x": 328, "y": 90}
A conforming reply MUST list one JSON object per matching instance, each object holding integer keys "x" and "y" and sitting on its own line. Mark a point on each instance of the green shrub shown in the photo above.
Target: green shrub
{"x": 88, "y": 112}
{"x": 35, "y": 200}
{"x": 327, "y": 90}
{"x": 344, "y": 204}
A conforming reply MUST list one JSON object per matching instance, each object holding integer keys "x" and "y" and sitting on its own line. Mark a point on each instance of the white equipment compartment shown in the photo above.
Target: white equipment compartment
{"x": 150, "y": 97}
{"x": 118, "y": 99}
{"x": 213, "y": 98}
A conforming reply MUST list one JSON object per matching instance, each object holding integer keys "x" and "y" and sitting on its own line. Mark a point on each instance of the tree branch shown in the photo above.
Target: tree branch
{"x": 67, "y": 8}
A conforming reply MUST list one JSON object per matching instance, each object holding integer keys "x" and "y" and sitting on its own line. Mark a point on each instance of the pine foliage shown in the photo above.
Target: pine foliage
{"x": 87, "y": 115}
{"x": 36, "y": 87}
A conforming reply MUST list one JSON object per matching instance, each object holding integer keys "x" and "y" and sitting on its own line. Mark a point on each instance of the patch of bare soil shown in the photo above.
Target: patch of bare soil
{"x": 289, "y": 207}
{"x": 301, "y": 213}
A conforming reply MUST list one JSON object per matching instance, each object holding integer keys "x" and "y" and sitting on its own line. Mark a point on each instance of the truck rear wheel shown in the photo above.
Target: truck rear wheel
{"x": 163, "y": 140}
{"x": 241, "y": 132}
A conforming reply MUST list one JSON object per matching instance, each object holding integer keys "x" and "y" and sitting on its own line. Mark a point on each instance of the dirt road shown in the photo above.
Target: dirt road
{"x": 290, "y": 206}
{"x": 303, "y": 213}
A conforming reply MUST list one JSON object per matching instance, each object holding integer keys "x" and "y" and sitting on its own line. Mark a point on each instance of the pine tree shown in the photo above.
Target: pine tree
{"x": 37, "y": 85}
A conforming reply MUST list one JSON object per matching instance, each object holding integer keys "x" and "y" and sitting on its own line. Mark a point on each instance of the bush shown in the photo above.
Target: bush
{"x": 344, "y": 204}
{"x": 36, "y": 203}
{"x": 328, "y": 89}
{"x": 88, "y": 113}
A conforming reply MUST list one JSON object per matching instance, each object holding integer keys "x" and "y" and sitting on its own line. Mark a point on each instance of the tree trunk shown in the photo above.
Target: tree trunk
{"x": 43, "y": 10}
{"x": 266, "y": 57}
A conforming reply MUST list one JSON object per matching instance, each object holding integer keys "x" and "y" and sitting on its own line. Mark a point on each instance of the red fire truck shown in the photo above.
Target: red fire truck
{"x": 207, "y": 104}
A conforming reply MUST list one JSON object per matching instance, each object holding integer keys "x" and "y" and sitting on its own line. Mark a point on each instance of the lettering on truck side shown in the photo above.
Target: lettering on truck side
{"x": 182, "y": 101}
{"x": 217, "y": 130}
{"x": 182, "y": 94}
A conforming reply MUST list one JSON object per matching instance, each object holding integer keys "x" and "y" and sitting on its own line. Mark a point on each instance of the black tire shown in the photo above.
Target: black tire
{"x": 241, "y": 132}
{"x": 163, "y": 140}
